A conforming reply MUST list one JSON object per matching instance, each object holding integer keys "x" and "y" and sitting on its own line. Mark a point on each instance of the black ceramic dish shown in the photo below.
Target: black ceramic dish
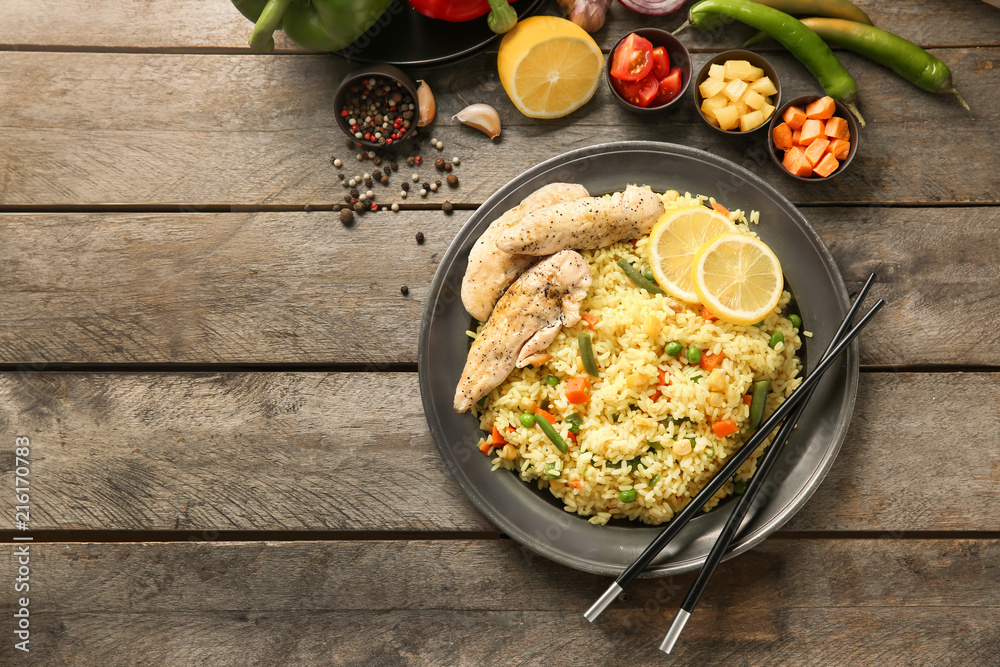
{"x": 802, "y": 103}
{"x": 523, "y": 512}
{"x": 737, "y": 54}
{"x": 679, "y": 57}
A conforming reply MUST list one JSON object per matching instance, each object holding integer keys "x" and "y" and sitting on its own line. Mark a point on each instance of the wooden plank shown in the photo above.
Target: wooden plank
{"x": 301, "y": 288}
{"x": 194, "y": 129}
{"x": 351, "y": 452}
{"x": 193, "y": 24}
{"x": 866, "y": 602}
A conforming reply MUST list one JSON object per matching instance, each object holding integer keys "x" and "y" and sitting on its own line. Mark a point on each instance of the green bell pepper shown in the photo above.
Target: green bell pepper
{"x": 321, "y": 25}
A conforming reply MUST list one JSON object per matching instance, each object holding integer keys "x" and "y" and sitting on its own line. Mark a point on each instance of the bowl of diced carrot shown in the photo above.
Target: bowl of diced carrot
{"x": 813, "y": 138}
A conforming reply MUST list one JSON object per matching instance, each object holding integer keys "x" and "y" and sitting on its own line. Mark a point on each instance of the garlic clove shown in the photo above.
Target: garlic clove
{"x": 483, "y": 117}
{"x": 425, "y": 104}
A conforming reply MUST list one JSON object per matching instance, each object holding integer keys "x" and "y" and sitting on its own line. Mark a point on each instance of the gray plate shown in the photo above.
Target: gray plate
{"x": 535, "y": 518}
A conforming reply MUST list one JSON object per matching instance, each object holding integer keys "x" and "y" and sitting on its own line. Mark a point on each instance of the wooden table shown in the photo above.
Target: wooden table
{"x": 229, "y": 463}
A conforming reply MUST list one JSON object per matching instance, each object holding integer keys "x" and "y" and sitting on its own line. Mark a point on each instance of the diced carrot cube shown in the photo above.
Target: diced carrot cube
{"x": 796, "y": 137}
{"x": 826, "y": 166}
{"x": 782, "y": 136}
{"x": 794, "y": 116}
{"x": 837, "y": 128}
{"x": 811, "y": 130}
{"x": 822, "y": 108}
{"x": 816, "y": 151}
{"x": 839, "y": 149}
{"x": 796, "y": 163}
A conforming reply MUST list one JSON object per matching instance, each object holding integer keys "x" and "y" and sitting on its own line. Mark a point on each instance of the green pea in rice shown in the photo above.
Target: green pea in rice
{"x": 636, "y": 433}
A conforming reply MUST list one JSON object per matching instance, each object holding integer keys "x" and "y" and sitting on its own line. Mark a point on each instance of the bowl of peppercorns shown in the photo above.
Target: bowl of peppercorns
{"x": 377, "y": 106}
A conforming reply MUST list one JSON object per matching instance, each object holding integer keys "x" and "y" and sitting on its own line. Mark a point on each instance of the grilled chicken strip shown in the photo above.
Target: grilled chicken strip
{"x": 525, "y": 321}
{"x": 593, "y": 222}
{"x": 492, "y": 270}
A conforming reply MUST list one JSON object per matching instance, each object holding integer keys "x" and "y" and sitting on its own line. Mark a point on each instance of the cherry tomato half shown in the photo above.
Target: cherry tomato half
{"x": 633, "y": 59}
{"x": 669, "y": 87}
{"x": 661, "y": 62}
{"x": 640, "y": 93}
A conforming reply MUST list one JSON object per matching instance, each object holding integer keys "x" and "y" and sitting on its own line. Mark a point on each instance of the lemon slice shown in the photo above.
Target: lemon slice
{"x": 550, "y": 67}
{"x": 673, "y": 241}
{"x": 737, "y": 277}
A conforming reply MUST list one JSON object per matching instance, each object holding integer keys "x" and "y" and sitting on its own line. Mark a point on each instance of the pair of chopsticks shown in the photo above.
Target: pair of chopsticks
{"x": 789, "y": 411}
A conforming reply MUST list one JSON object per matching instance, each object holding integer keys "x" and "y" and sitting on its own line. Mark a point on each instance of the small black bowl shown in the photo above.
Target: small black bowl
{"x": 679, "y": 57}
{"x": 802, "y": 103}
{"x": 395, "y": 75}
{"x": 737, "y": 54}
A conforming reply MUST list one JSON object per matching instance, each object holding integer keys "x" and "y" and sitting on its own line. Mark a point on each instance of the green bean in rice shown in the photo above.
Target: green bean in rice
{"x": 640, "y": 437}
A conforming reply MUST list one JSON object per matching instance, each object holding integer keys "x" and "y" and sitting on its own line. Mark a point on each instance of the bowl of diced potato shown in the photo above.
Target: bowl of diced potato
{"x": 737, "y": 92}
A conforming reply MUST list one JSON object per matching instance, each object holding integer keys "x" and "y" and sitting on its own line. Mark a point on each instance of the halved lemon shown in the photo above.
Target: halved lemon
{"x": 673, "y": 241}
{"x": 737, "y": 277}
{"x": 550, "y": 67}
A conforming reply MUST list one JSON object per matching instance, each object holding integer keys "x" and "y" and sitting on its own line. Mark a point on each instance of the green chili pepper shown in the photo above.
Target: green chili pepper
{"x": 634, "y": 463}
{"x": 552, "y": 434}
{"x": 901, "y": 56}
{"x": 837, "y": 9}
{"x": 627, "y": 496}
{"x": 654, "y": 445}
{"x": 653, "y": 480}
{"x": 760, "y": 389}
{"x": 320, "y": 25}
{"x": 695, "y": 378}
{"x": 551, "y": 472}
{"x": 637, "y": 278}
{"x": 709, "y": 452}
{"x": 482, "y": 401}
{"x": 800, "y": 41}
{"x": 587, "y": 352}
{"x": 740, "y": 487}
{"x": 552, "y": 380}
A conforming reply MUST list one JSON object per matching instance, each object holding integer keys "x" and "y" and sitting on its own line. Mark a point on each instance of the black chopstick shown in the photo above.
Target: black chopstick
{"x": 695, "y": 504}
{"x": 733, "y": 524}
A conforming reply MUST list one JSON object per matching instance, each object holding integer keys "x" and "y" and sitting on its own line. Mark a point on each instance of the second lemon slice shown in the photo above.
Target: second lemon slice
{"x": 673, "y": 242}
{"x": 737, "y": 277}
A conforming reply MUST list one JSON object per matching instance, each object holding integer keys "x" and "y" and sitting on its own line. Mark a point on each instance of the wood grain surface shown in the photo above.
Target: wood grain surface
{"x": 789, "y": 602}
{"x": 90, "y": 129}
{"x": 352, "y": 452}
{"x": 299, "y": 287}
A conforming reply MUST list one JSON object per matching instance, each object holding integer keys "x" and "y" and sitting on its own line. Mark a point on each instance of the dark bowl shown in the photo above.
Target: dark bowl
{"x": 737, "y": 54}
{"x": 803, "y": 102}
{"x": 679, "y": 57}
{"x": 388, "y": 72}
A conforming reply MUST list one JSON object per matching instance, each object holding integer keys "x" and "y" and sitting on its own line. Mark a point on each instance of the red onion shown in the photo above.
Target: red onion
{"x": 653, "y": 7}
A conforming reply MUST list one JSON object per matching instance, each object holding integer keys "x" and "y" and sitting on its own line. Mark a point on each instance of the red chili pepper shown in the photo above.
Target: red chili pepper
{"x": 452, "y": 10}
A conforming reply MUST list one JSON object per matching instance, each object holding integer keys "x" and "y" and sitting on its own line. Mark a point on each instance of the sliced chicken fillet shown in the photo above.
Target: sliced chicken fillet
{"x": 492, "y": 270}
{"x": 525, "y": 321}
{"x": 593, "y": 222}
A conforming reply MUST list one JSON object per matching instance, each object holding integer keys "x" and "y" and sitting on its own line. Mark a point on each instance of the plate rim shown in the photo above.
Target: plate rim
{"x": 744, "y": 543}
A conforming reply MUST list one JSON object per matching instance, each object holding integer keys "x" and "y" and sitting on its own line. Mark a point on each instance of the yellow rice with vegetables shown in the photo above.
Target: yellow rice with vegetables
{"x": 645, "y": 443}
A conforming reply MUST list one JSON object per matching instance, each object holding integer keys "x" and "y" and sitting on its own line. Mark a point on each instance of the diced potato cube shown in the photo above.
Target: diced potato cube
{"x": 717, "y": 72}
{"x": 751, "y": 120}
{"x": 737, "y": 69}
{"x": 767, "y": 110}
{"x": 728, "y": 117}
{"x": 711, "y": 87}
{"x": 734, "y": 89}
{"x": 709, "y": 105}
{"x": 763, "y": 86}
{"x": 755, "y": 73}
{"x": 753, "y": 100}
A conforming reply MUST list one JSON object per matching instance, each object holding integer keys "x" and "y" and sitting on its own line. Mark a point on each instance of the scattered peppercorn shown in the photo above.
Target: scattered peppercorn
{"x": 374, "y": 206}
{"x": 350, "y": 144}
{"x": 395, "y": 207}
{"x": 425, "y": 185}
{"x": 447, "y": 207}
{"x": 419, "y": 159}
{"x": 438, "y": 182}
{"x": 447, "y": 166}
{"x": 354, "y": 192}
{"x": 347, "y": 198}
{"x": 359, "y": 207}
{"x": 369, "y": 182}
{"x": 452, "y": 180}
{"x": 376, "y": 160}
{"x": 455, "y": 161}
{"x": 404, "y": 290}
{"x": 387, "y": 171}
{"x": 384, "y": 180}
{"x": 410, "y": 161}
{"x": 346, "y": 216}
{"x": 420, "y": 238}
{"x": 439, "y": 164}
{"x": 394, "y": 165}
{"x": 404, "y": 185}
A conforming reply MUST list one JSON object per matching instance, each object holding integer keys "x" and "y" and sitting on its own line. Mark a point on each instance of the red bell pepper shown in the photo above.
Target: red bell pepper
{"x": 502, "y": 17}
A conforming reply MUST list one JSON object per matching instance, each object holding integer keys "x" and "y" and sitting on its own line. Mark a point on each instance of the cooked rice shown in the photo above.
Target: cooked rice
{"x": 616, "y": 448}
